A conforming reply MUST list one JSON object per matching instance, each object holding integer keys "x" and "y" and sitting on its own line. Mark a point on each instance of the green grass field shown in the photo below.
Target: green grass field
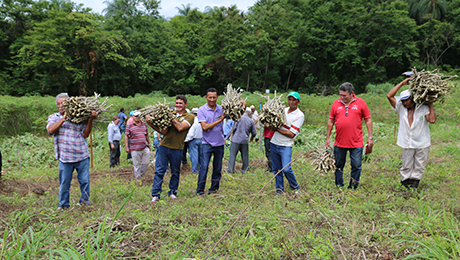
{"x": 381, "y": 220}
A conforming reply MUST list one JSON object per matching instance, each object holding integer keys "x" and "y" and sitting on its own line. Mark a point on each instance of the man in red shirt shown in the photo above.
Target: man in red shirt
{"x": 347, "y": 114}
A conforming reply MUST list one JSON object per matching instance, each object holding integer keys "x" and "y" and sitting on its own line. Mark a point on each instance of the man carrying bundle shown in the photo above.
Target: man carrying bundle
{"x": 170, "y": 150}
{"x": 282, "y": 142}
{"x": 71, "y": 149}
{"x": 240, "y": 141}
{"x": 413, "y": 135}
{"x": 347, "y": 114}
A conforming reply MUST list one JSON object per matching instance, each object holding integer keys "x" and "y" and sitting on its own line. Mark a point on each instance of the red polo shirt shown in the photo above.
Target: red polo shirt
{"x": 349, "y": 126}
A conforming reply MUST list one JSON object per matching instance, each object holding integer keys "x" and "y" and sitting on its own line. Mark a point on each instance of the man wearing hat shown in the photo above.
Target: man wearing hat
{"x": 282, "y": 142}
{"x": 413, "y": 135}
{"x": 347, "y": 114}
{"x": 194, "y": 139}
{"x": 139, "y": 144}
{"x": 240, "y": 141}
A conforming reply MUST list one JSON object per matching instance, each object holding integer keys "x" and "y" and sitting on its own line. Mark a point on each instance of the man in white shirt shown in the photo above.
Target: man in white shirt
{"x": 413, "y": 135}
{"x": 282, "y": 142}
{"x": 114, "y": 136}
{"x": 194, "y": 138}
{"x": 255, "y": 118}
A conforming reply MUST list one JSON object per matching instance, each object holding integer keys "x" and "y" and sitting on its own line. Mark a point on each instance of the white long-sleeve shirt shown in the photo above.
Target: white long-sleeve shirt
{"x": 114, "y": 132}
{"x": 195, "y": 131}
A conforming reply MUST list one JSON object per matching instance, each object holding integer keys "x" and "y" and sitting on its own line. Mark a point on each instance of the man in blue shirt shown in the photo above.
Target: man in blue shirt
{"x": 240, "y": 141}
{"x": 122, "y": 123}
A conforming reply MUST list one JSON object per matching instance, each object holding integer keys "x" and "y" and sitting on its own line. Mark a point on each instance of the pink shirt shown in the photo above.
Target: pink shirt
{"x": 349, "y": 122}
{"x": 138, "y": 135}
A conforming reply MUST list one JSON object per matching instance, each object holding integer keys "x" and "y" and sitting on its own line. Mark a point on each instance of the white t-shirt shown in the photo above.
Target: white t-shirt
{"x": 416, "y": 136}
{"x": 294, "y": 121}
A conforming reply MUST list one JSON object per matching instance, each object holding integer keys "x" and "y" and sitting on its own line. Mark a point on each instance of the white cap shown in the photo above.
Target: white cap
{"x": 248, "y": 111}
{"x": 405, "y": 94}
{"x": 195, "y": 110}
{"x": 137, "y": 113}
{"x": 253, "y": 107}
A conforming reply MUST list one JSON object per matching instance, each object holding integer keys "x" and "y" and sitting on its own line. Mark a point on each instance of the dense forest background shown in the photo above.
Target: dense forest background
{"x": 55, "y": 46}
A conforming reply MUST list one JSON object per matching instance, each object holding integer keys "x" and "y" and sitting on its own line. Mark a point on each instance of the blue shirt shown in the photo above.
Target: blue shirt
{"x": 243, "y": 128}
{"x": 228, "y": 123}
{"x": 215, "y": 135}
{"x": 122, "y": 117}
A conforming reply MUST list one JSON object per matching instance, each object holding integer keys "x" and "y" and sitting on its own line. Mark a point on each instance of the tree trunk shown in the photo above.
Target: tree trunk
{"x": 292, "y": 68}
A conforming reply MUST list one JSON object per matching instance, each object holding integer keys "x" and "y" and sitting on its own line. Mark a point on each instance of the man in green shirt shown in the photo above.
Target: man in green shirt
{"x": 170, "y": 150}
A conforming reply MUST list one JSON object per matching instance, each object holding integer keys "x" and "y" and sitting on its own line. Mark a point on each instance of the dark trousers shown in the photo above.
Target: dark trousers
{"x": 356, "y": 158}
{"x": 115, "y": 154}
{"x": 184, "y": 153}
{"x": 267, "y": 152}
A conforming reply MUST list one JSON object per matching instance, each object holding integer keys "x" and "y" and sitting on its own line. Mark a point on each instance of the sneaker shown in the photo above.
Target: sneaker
{"x": 154, "y": 199}
{"x": 172, "y": 196}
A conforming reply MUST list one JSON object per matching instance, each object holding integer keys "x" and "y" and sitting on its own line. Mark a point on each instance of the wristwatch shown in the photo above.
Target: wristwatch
{"x": 371, "y": 138}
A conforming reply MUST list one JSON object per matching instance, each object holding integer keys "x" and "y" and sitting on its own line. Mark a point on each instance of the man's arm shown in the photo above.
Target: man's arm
{"x": 89, "y": 125}
{"x": 330, "y": 125}
{"x": 163, "y": 132}
{"x": 180, "y": 126}
{"x": 52, "y": 129}
{"x": 110, "y": 131}
{"x": 207, "y": 126}
{"x": 431, "y": 117}
{"x": 126, "y": 143}
{"x": 391, "y": 95}
{"x": 369, "y": 142}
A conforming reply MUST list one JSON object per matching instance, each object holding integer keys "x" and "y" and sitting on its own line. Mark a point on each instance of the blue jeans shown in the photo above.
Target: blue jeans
{"x": 206, "y": 152}
{"x": 156, "y": 144}
{"x": 165, "y": 155}
{"x": 356, "y": 157}
{"x": 280, "y": 157}
{"x": 234, "y": 149}
{"x": 65, "y": 179}
{"x": 194, "y": 149}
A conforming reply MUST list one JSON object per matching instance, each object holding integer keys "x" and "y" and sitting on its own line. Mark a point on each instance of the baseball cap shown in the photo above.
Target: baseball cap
{"x": 131, "y": 113}
{"x": 294, "y": 95}
{"x": 195, "y": 110}
{"x": 253, "y": 107}
{"x": 405, "y": 94}
{"x": 137, "y": 113}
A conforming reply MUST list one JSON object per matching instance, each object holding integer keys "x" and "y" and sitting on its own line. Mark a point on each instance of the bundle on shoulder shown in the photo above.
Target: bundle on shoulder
{"x": 78, "y": 109}
{"x": 272, "y": 112}
{"x": 232, "y": 104}
{"x": 161, "y": 115}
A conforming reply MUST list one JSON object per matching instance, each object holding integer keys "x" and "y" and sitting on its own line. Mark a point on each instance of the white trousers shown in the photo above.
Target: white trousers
{"x": 413, "y": 163}
{"x": 141, "y": 160}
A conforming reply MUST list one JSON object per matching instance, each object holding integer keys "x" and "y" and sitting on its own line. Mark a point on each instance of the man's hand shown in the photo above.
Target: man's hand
{"x": 328, "y": 142}
{"x": 147, "y": 117}
{"x": 243, "y": 102}
{"x": 127, "y": 149}
{"x": 93, "y": 114}
{"x": 112, "y": 146}
{"x": 370, "y": 143}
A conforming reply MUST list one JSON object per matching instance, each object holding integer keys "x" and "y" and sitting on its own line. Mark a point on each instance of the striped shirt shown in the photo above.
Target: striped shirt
{"x": 138, "y": 135}
{"x": 69, "y": 144}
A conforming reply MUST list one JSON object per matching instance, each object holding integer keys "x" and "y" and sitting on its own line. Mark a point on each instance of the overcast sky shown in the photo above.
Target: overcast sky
{"x": 168, "y": 7}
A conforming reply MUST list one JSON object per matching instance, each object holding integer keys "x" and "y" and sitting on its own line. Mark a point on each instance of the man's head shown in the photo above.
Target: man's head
{"x": 407, "y": 99}
{"x": 346, "y": 92}
{"x": 116, "y": 119}
{"x": 181, "y": 103}
{"x": 122, "y": 110}
{"x": 195, "y": 111}
{"x": 253, "y": 108}
{"x": 293, "y": 100}
{"x": 137, "y": 116}
{"x": 248, "y": 111}
{"x": 211, "y": 97}
{"x": 59, "y": 99}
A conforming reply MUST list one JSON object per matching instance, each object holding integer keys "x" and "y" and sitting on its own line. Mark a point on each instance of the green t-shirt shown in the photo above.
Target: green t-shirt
{"x": 175, "y": 139}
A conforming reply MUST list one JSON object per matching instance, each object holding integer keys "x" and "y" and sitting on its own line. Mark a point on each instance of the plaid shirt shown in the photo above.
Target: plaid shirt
{"x": 69, "y": 144}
